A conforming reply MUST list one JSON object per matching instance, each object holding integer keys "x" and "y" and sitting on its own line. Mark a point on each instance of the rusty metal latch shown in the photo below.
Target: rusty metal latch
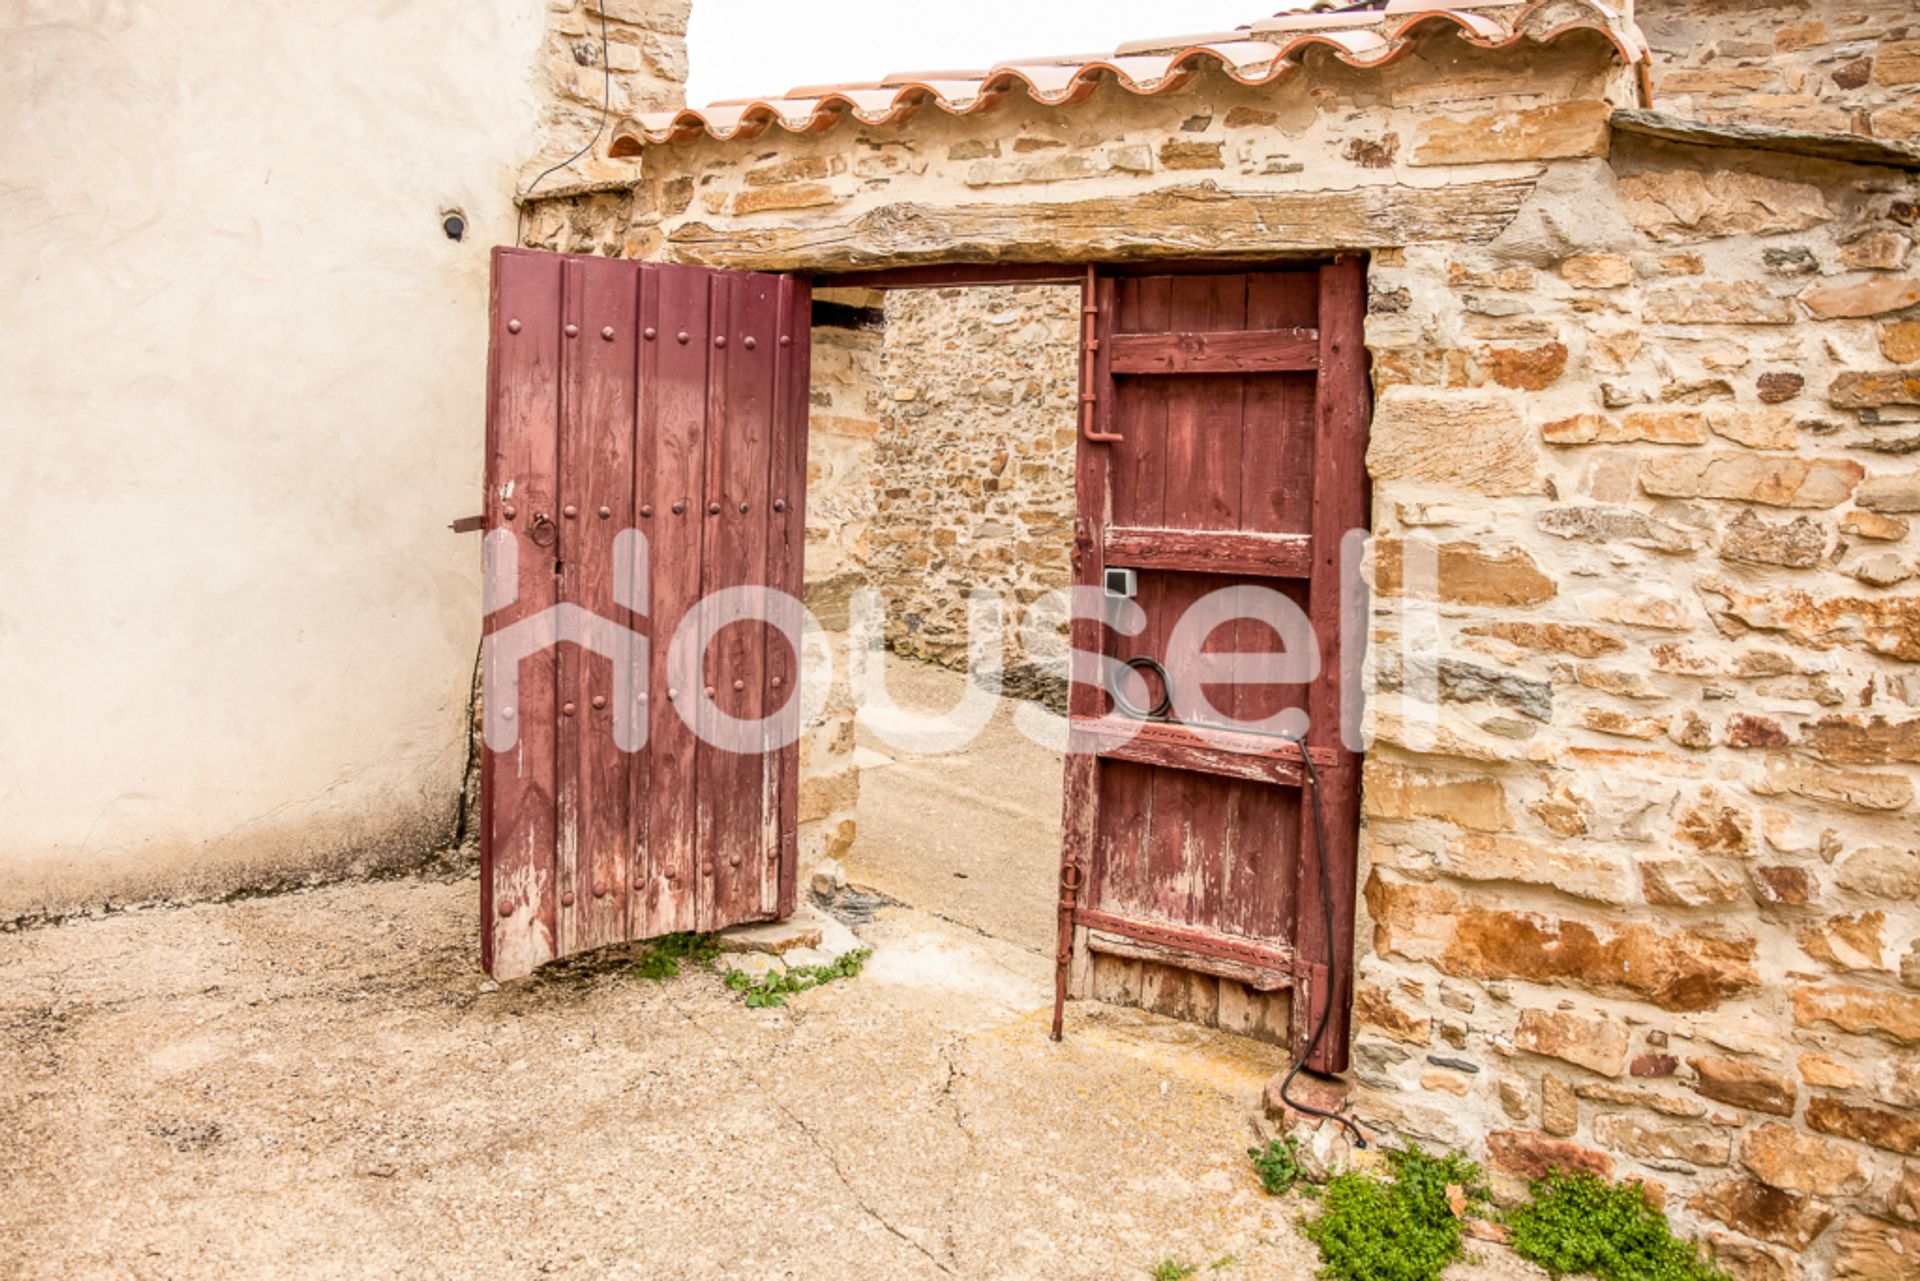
{"x": 1089, "y": 349}
{"x": 468, "y": 524}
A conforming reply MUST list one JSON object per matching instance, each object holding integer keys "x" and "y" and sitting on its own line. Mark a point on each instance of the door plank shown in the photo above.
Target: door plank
{"x": 1211, "y": 551}
{"x": 518, "y": 894}
{"x": 1247, "y": 351}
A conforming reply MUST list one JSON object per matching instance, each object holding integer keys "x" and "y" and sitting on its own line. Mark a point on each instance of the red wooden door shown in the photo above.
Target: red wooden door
{"x": 646, "y": 454}
{"x": 1224, "y": 446}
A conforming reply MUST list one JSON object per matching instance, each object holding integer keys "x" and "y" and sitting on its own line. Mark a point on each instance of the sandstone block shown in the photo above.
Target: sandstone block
{"x": 1900, "y": 341}
{"x": 1559, "y": 638}
{"x": 1688, "y": 204}
{"x": 1797, "y": 544}
{"x": 1871, "y": 1251}
{"x": 1734, "y": 302}
{"x": 1875, "y": 388}
{"x": 1765, "y": 1212}
{"x": 1184, "y": 153}
{"x": 1873, "y": 296}
{"x": 1476, "y": 443}
{"x": 1744, "y": 1085}
{"x": 1581, "y": 872}
{"x": 793, "y": 195}
{"x": 1778, "y": 385}
{"x": 1903, "y": 1199}
{"x": 1873, "y": 525}
{"x": 1876, "y": 251}
{"x": 1678, "y": 970}
{"x": 1775, "y": 480}
{"x": 1847, "y": 942}
{"x": 1529, "y": 1155}
{"x": 1897, "y": 63}
{"x": 1863, "y": 740}
{"x": 1881, "y": 871}
{"x": 1894, "y": 1131}
{"x": 1884, "y": 792}
{"x": 1665, "y": 613}
{"x": 1597, "y": 1042}
{"x": 1558, "y": 131}
{"x": 1690, "y": 882}
{"x": 1818, "y": 1069}
{"x": 1597, "y": 271}
{"x": 1392, "y": 790}
{"x": 1755, "y": 428}
{"x": 1375, "y": 1007}
{"x": 1865, "y": 1011}
{"x": 1696, "y": 1143}
{"x": 1657, "y": 426}
{"x": 1782, "y": 1157}
{"x": 1467, "y": 574}
{"x": 1883, "y": 493}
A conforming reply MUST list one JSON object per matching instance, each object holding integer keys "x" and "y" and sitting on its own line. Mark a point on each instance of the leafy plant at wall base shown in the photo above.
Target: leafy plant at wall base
{"x": 1278, "y": 1165}
{"x": 774, "y": 987}
{"x": 1399, "y": 1228}
{"x": 1579, "y": 1224}
{"x": 1173, "y": 1270}
{"x": 662, "y": 958}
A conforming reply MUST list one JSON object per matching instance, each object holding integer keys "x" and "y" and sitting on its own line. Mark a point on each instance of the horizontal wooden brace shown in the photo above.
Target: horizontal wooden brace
{"x": 1211, "y": 551}
{"x": 1257, "y": 757}
{"x": 1264, "y": 967}
{"x": 1239, "y": 351}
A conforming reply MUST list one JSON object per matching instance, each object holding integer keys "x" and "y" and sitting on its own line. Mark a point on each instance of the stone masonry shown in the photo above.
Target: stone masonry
{"x": 1642, "y": 848}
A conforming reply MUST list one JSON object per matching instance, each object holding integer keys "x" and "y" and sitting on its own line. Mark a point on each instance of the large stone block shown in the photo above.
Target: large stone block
{"x": 1871, "y": 1251}
{"x": 1396, "y": 791}
{"x": 1732, "y": 302}
{"x": 1776, "y": 480}
{"x": 1557, "y": 131}
{"x": 1744, "y": 1085}
{"x": 1474, "y": 937}
{"x": 1894, "y": 1016}
{"x": 1691, "y": 204}
{"x": 1782, "y": 1157}
{"x": 1765, "y": 1212}
{"x": 1470, "y": 442}
{"x": 1465, "y": 573}
{"x": 1597, "y": 1042}
{"x": 1696, "y": 1142}
{"x": 1894, "y": 1131}
{"x": 1529, "y": 1155}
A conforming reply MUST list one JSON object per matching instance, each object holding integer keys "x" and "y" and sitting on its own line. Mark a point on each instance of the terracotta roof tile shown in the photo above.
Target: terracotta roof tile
{"x": 1259, "y": 53}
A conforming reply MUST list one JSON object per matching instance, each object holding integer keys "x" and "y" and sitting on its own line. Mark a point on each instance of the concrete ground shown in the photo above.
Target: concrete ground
{"x": 321, "y": 1084}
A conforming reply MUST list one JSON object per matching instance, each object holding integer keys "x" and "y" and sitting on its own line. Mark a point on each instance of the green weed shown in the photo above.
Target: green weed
{"x": 1399, "y": 1228}
{"x": 1581, "y": 1224}
{"x": 775, "y": 986}
{"x": 662, "y": 958}
{"x": 1173, "y": 1270}
{"x": 1278, "y": 1165}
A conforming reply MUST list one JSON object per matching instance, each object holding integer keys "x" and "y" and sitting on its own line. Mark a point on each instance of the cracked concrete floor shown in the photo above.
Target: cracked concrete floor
{"x": 315, "y": 1085}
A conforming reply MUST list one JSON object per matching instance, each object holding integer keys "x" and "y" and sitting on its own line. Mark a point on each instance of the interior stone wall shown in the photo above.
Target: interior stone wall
{"x": 1641, "y": 858}
{"x": 972, "y": 473}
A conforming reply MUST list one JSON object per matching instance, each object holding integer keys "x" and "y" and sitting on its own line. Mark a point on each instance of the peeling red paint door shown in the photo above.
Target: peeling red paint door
{"x": 1224, "y": 447}
{"x": 646, "y": 453}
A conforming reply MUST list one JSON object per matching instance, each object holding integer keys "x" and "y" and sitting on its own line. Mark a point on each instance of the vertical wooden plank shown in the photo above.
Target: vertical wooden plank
{"x": 671, "y": 492}
{"x": 518, "y": 928}
{"x": 643, "y": 487}
{"x": 1340, "y": 502}
{"x": 739, "y": 424}
{"x": 787, "y": 572}
{"x": 596, "y": 502}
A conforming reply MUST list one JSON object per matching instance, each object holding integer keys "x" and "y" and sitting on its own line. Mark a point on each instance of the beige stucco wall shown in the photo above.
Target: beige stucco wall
{"x": 241, "y": 395}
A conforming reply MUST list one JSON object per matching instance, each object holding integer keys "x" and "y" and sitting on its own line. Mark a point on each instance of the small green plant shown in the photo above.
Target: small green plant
{"x": 1580, "y": 1224}
{"x": 774, "y": 987}
{"x": 1278, "y": 1165}
{"x": 661, "y": 961}
{"x": 1173, "y": 1270}
{"x": 1400, "y": 1228}
{"x": 1222, "y": 1263}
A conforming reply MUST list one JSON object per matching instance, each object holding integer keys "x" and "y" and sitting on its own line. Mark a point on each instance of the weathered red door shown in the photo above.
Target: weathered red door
{"x": 646, "y": 453}
{"x": 1223, "y": 446}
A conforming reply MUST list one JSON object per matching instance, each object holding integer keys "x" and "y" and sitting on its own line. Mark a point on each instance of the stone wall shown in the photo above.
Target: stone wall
{"x": 973, "y": 470}
{"x": 1795, "y": 64}
{"x": 1642, "y": 853}
{"x": 646, "y": 50}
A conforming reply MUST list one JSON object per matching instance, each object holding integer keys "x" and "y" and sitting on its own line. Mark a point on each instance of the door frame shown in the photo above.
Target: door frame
{"x": 1320, "y": 988}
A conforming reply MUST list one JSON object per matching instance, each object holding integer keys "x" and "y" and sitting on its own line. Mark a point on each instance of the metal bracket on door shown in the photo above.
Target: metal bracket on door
{"x": 1089, "y": 353}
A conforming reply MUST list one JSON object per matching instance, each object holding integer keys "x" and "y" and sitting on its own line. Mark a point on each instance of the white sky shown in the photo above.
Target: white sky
{"x": 760, "y": 48}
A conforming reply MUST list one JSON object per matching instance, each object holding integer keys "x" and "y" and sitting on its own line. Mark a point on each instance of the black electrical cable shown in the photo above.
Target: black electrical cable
{"x": 1159, "y": 712}
{"x": 606, "y": 108}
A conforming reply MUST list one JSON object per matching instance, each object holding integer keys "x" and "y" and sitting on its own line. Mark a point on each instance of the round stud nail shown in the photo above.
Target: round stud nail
{"x": 569, "y": 511}
{"x": 776, "y": 682}
{"x": 566, "y": 900}
{"x": 786, "y": 340}
{"x": 607, "y": 333}
{"x": 713, "y": 509}
{"x": 606, "y": 513}
{"x": 599, "y": 700}
{"x": 646, "y": 510}
{"x": 506, "y": 908}
{"x": 566, "y": 709}
{"x": 779, "y": 504}
{"x": 573, "y": 331}
{"x": 679, "y": 509}
{"x": 743, "y": 509}
{"x": 650, "y": 333}
{"x": 509, "y": 511}
{"x": 682, "y": 335}
{"x": 738, "y": 685}
{"x": 506, "y": 713}
{"x": 513, "y": 326}
{"x": 733, "y": 860}
{"x": 706, "y": 869}
{"x": 749, "y": 342}
{"x": 673, "y": 694}
{"x": 599, "y": 889}
{"x": 709, "y": 691}
{"x": 719, "y": 340}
